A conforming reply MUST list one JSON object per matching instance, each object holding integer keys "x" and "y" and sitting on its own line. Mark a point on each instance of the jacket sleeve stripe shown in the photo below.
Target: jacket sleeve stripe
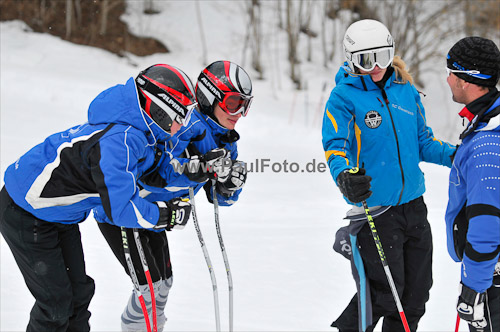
{"x": 478, "y": 256}
{"x": 357, "y": 134}
{"x": 329, "y": 153}
{"x": 332, "y": 119}
{"x": 140, "y": 219}
{"x": 475, "y": 210}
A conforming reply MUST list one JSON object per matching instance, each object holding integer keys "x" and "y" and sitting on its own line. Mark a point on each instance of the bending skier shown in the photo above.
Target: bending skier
{"x": 55, "y": 185}
{"x": 203, "y": 154}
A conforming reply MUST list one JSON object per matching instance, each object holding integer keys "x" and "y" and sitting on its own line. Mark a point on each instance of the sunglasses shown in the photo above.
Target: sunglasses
{"x": 473, "y": 73}
{"x": 368, "y": 59}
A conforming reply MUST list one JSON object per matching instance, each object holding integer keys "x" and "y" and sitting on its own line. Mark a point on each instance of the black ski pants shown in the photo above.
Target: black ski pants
{"x": 155, "y": 247}
{"x": 50, "y": 257}
{"x": 406, "y": 238}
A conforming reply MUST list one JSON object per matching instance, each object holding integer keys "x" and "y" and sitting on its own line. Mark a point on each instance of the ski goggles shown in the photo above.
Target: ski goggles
{"x": 176, "y": 110}
{"x": 231, "y": 102}
{"x": 368, "y": 59}
{"x": 234, "y": 103}
{"x": 473, "y": 73}
{"x": 189, "y": 111}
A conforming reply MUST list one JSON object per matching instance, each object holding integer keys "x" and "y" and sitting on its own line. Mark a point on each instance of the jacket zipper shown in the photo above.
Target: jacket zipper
{"x": 384, "y": 95}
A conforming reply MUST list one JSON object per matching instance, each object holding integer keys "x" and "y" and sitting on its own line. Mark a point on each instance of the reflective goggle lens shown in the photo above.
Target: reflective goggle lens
{"x": 367, "y": 60}
{"x": 235, "y": 103}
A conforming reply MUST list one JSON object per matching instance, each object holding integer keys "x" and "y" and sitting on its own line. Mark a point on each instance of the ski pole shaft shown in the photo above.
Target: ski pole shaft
{"x": 457, "y": 324}
{"x": 381, "y": 253}
{"x": 224, "y": 256}
{"x": 133, "y": 276}
{"x": 207, "y": 259}
{"x": 145, "y": 267}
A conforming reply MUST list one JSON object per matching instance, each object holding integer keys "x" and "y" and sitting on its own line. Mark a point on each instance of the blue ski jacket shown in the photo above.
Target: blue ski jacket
{"x": 473, "y": 212}
{"x": 167, "y": 181}
{"x": 201, "y": 135}
{"x": 382, "y": 130}
{"x": 93, "y": 164}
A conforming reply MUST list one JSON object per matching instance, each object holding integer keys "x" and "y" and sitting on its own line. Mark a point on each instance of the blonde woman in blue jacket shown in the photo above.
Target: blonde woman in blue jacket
{"x": 374, "y": 120}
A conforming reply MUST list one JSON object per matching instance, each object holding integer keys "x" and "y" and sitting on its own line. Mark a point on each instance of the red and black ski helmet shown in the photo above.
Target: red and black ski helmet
{"x": 166, "y": 94}
{"x": 226, "y": 84}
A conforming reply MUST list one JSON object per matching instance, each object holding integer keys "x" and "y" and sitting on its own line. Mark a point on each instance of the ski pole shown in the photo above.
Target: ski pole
{"x": 381, "y": 253}
{"x": 207, "y": 259}
{"x": 457, "y": 324}
{"x": 133, "y": 276}
{"x": 224, "y": 256}
{"x": 145, "y": 267}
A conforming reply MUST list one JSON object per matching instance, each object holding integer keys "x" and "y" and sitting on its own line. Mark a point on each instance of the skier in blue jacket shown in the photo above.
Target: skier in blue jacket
{"x": 55, "y": 185}
{"x": 473, "y": 213}
{"x": 202, "y": 154}
{"x": 375, "y": 123}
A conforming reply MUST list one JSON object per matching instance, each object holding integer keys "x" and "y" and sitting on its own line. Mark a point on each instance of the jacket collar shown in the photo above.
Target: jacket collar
{"x": 225, "y": 135}
{"x": 480, "y": 111}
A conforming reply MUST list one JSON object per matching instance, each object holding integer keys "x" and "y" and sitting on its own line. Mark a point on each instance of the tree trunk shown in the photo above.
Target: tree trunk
{"x": 69, "y": 15}
{"x": 255, "y": 14}
{"x": 104, "y": 17}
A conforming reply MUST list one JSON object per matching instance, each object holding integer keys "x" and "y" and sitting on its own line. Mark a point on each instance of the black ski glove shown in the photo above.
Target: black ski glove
{"x": 201, "y": 168}
{"x": 354, "y": 184}
{"x": 234, "y": 181}
{"x": 174, "y": 214}
{"x": 470, "y": 306}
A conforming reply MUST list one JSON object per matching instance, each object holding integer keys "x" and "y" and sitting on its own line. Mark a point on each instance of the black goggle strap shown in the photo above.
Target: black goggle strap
{"x": 208, "y": 84}
{"x": 163, "y": 95}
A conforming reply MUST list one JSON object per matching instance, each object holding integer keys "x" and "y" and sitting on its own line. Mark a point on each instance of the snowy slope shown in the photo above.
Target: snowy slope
{"x": 279, "y": 235}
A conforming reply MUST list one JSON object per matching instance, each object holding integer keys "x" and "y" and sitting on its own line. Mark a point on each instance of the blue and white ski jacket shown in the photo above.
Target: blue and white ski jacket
{"x": 383, "y": 131}
{"x": 166, "y": 181}
{"x": 473, "y": 212}
{"x": 93, "y": 164}
{"x": 201, "y": 135}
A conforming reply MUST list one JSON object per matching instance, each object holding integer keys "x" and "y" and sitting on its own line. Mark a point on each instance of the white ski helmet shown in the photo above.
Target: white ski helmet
{"x": 368, "y": 43}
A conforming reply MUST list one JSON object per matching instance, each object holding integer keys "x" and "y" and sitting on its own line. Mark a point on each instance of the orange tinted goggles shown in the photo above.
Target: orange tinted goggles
{"x": 234, "y": 103}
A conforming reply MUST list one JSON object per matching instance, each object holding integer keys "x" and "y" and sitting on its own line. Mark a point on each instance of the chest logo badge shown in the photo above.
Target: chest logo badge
{"x": 373, "y": 119}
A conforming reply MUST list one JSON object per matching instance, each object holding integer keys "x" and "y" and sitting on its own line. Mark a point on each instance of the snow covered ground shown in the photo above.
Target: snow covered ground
{"x": 278, "y": 237}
